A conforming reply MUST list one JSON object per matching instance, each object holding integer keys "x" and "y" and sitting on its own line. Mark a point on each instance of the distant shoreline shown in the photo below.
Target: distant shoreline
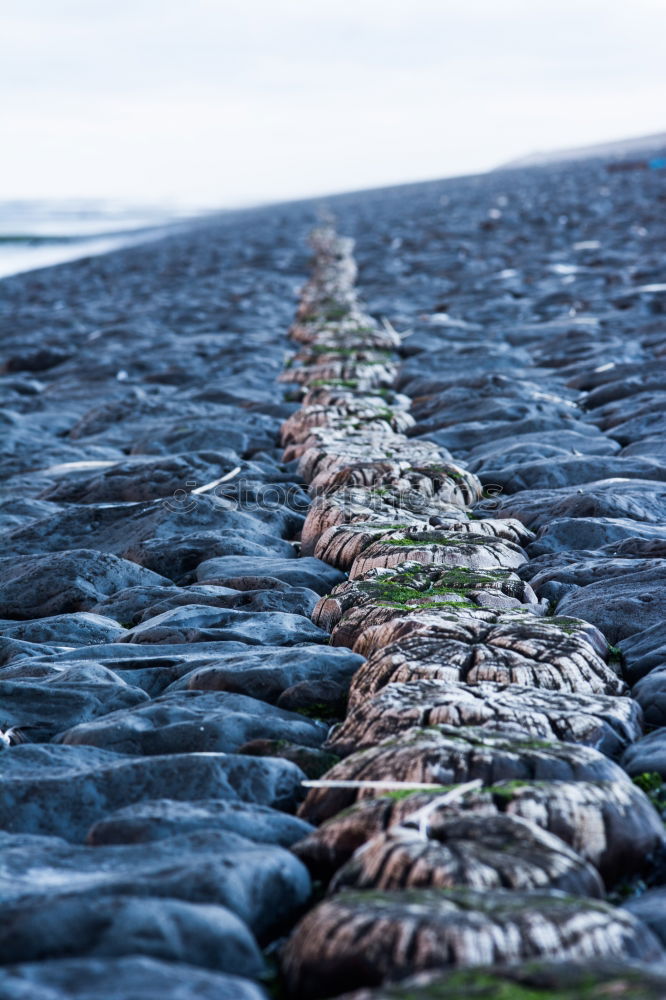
{"x": 23, "y": 253}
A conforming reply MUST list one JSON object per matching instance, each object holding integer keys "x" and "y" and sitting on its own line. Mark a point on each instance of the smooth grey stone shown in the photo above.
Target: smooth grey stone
{"x": 62, "y": 582}
{"x": 40, "y": 697}
{"x": 138, "y": 479}
{"x": 611, "y": 414}
{"x": 638, "y": 500}
{"x": 154, "y": 680}
{"x": 135, "y": 656}
{"x": 644, "y": 651}
{"x": 269, "y": 671}
{"x": 635, "y": 548}
{"x": 590, "y": 533}
{"x": 15, "y": 512}
{"x": 650, "y": 693}
{"x": 191, "y": 419}
{"x": 122, "y": 529}
{"x": 420, "y": 379}
{"x": 127, "y": 605}
{"x": 177, "y": 558}
{"x": 556, "y": 472}
{"x": 505, "y": 462}
{"x": 108, "y": 926}
{"x": 131, "y": 977}
{"x": 647, "y": 755}
{"x": 156, "y": 819}
{"x": 609, "y": 374}
{"x": 199, "y": 623}
{"x": 27, "y": 450}
{"x": 63, "y": 790}
{"x": 262, "y": 884}
{"x": 636, "y": 428}
{"x": 137, "y": 603}
{"x": 16, "y": 649}
{"x": 162, "y": 437}
{"x": 77, "y": 629}
{"x": 590, "y": 442}
{"x": 620, "y": 606}
{"x": 292, "y": 600}
{"x": 650, "y": 908}
{"x": 487, "y": 410}
{"x": 624, "y": 388}
{"x": 653, "y": 448}
{"x": 491, "y": 386}
{"x": 556, "y": 581}
{"x": 306, "y": 572}
{"x": 194, "y": 721}
{"x": 151, "y": 668}
{"x": 465, "y": 436}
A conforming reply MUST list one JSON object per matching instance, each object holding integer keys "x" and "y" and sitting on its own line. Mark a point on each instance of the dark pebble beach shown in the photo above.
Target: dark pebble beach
{"x": 179, "y": 654}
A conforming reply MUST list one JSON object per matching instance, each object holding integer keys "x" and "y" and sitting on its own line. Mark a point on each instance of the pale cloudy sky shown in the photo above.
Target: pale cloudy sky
{"x": 221, "y": 102}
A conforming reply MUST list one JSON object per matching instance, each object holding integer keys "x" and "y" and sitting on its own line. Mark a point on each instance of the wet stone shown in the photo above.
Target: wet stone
{"x": 138, "y": 479}
{"x": 194, "y": 721}
{"x": 120, "y": 978}
{"x": 649, "y": 908}
{"x": 63, "y": 790}
{"x": 292, "y": 600}
{"x": 270, "y": 671}
{"x": 557, "y": 575}
{"x": 42, "y": 700}
{"x": 124, "y": 530}
{"x": 621, "y": 606}
{"x": 570, "y": 471}
{"x": 156, "y": 819}
{"x": 77, "y": 629}
{"x": 260, "y": 883}
{"x": 200, "y": 623}
{"x": 307, "y": 572}
{"x": 110, "y": 926}
{"x": 647, "y": 755}
{"x": 591, "y": 533}
{"x": 643, "y": 651}
{"x": 312, "y": 761}
{"x": 65, "y": 582}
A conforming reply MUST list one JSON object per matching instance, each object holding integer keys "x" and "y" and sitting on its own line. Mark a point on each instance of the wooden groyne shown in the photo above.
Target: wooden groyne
{"x": 478, "y": 816}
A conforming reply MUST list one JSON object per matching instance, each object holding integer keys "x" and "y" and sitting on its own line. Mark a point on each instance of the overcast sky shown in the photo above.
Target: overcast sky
{"x": 221, "y": 102}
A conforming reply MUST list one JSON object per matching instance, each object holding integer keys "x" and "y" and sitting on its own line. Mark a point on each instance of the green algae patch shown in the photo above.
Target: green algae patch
{"x": 341, "y": 383}
{"x": 652, "y": 784}
{"x": 533, "y": 982}
{"x": 413, "y": 588}
{"x": 508, "y": 789}
{"x": 404, "y": 793}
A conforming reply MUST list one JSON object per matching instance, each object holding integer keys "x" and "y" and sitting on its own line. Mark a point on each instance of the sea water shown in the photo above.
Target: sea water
{"x": 40, "y": 233}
